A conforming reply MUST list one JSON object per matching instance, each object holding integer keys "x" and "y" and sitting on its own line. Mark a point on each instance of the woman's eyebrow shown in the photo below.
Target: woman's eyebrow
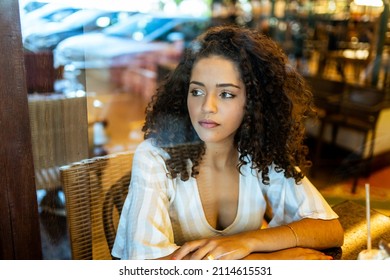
{"x": 217, "y": 85}
{"x": 197, "y": 83}
{"x": 227, "y": 85}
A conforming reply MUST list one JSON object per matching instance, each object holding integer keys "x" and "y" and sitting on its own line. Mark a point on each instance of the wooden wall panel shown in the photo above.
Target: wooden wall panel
{"x": 19, "y": 223}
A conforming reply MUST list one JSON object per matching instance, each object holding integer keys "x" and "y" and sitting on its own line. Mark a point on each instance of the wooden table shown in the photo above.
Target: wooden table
{"x": 352, "y": 217}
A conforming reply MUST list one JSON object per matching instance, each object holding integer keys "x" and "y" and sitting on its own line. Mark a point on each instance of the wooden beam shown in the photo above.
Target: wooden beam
{"x": 19, "y": 220}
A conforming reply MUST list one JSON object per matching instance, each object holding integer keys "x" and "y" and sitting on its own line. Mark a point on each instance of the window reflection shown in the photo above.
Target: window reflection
{"x": 99, "y": 64}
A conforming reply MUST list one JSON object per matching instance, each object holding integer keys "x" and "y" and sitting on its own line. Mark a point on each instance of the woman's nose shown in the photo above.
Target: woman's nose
{"x": 209, "y": 104}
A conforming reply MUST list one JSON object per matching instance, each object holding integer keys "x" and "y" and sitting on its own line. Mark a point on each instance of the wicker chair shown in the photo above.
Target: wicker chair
{"x": 59, "y": 134}
{"x": 95, "y": 190}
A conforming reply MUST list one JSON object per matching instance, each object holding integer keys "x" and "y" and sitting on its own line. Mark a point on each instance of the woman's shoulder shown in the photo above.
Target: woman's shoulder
{"x": 148, "y": 153}
{"x": 276, "y": 171}
{"x": 276, "y": 175}
{"x": 148, "y": 146}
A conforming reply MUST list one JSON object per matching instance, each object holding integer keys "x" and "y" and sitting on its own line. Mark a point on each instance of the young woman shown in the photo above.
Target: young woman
{"x": 223, "y": 151}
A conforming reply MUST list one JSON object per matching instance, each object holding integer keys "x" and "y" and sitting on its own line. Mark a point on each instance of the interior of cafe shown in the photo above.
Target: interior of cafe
{"x": 76, "y": 77}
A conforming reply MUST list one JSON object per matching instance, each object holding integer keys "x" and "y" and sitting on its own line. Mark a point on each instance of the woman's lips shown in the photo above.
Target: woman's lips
{"x": 208, "y": 123}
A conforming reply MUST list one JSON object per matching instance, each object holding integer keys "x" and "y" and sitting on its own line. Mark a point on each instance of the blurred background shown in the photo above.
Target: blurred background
{"x": 117, "y": 47}
{"x": 113, "y": 55}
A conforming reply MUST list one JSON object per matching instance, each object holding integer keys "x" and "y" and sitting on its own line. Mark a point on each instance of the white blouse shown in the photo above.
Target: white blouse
{"x": 160, "y": 214}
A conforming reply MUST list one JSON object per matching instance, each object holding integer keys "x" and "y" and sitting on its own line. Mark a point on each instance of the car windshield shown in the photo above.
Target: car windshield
{"x": 58, "y": 16}
{"x": 138, "y": 29}
{"x": 80, "y": 17}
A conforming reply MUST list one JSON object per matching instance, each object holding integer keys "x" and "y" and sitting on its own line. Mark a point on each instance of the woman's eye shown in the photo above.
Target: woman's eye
{"x": 226, "y": 94}
{"x": 196, "y": 92}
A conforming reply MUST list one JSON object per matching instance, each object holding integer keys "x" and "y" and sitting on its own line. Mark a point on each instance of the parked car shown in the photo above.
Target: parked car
{"x": 46, "y": 37}
{"x": 115, "y": 46}
{"x": 32, "y": 5}
{"x": 52, "y": 12}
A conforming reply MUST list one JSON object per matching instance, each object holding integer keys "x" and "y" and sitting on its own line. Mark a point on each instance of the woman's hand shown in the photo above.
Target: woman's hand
{"x": 291, "y": 254}
{"x": 229, "y": 248}
{"x": 218, "y": 248}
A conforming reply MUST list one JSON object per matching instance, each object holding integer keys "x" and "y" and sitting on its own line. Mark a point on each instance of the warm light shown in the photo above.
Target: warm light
{"x": 356, "y": 54}
{"x": 371, "y": 3}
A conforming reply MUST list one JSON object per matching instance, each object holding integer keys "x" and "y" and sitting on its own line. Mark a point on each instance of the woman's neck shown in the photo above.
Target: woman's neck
{"x": 220, "y": 156}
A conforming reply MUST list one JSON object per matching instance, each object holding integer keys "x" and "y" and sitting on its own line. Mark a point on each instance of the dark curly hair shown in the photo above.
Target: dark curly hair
{"x": 278, "y": 101}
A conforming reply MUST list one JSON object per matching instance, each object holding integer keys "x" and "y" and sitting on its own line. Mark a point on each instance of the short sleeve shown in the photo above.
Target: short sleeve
{"x": 145, "y": 229}
{"x": 291, "y": 202}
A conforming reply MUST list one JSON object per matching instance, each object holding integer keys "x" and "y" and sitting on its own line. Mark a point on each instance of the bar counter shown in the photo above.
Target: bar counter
{"x": 352, "y": 217}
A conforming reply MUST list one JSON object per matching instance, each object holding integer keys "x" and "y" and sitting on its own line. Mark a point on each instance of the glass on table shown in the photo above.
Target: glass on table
{"x": 383, "y": 253}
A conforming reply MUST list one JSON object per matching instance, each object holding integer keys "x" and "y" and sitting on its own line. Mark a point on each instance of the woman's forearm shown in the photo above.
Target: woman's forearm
{"x": 308, "y": 233}
{"x": 318, "y": 234}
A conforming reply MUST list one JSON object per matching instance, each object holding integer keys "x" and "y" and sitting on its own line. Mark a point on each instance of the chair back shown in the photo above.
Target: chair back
{"x": 95, "y": 190}
{"x": 365, "y": 96}
{"x": 59, "y": 135}
{"x": 363, "y": 104}
{"x": 325, "y": 87}
{"x": 327, "y": 93}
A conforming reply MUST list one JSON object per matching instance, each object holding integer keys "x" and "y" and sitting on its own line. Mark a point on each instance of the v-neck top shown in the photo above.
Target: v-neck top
{"x": 160, "y": 214}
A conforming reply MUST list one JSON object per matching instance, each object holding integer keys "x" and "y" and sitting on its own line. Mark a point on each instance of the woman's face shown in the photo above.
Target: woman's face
{"x": 216, "y": 99}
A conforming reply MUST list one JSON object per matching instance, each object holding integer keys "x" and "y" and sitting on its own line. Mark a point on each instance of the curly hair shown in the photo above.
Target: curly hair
{"x": 278, "y": 101}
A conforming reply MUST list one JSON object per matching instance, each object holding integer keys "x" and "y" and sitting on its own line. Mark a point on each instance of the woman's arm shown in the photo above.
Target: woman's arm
{"x": 306, "y": 233}
{"x": 318, "y": 234}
